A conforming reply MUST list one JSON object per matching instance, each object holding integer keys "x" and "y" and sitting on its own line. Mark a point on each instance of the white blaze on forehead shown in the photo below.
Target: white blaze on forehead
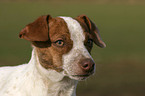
{"x": 71, "y": 59}
{"x": 75, "y": 29}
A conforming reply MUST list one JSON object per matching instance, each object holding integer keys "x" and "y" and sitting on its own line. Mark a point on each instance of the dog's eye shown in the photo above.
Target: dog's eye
{"x": 59, "y": 43}
{"x": 90, "y": 42}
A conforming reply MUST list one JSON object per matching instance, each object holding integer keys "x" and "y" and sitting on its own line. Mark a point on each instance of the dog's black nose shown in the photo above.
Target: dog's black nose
{"x": 87, "y": 65}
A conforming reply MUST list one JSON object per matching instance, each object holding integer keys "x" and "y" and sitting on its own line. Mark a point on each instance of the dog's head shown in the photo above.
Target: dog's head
{"x": 64, "y": 44}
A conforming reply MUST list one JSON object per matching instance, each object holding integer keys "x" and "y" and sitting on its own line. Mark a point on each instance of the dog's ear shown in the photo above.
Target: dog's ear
{"x": 92, "y": 29}
{"x": 37, "y": 30}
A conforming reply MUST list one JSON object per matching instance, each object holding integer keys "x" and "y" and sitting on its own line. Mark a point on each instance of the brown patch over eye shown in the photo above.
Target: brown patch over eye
{"x": 89, "y": 44}
{"x": 59, "y": 43}
{"x": 91, "y": 28}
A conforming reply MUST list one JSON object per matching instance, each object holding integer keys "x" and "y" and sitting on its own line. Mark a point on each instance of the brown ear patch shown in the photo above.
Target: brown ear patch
{"x": 90, "y": 27}
{"x": 36, "y": 31}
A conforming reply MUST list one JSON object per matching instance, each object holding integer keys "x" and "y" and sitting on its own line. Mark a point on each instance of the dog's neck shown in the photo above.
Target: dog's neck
{"x": 55, "y": 83}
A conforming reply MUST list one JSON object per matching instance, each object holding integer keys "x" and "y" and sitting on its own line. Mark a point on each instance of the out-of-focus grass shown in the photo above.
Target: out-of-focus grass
{"x": 120, "y": 66}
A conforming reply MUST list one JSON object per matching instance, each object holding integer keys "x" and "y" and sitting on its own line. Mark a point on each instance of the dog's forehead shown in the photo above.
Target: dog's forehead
{"x": 57, "y": 26}
{"x": 75, "y": 30}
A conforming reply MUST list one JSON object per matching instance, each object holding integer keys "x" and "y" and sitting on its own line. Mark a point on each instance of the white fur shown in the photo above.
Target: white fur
{"x": 71, "y": 59}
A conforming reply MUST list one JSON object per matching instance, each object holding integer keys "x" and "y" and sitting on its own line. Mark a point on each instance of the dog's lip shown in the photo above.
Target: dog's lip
{"x": 85, "y": 75}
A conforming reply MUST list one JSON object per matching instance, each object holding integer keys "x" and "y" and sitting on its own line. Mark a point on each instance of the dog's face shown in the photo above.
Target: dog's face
{"x": 64, "y": 44}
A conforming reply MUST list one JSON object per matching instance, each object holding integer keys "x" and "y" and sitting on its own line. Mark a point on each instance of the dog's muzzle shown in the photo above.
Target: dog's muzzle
{"x": 86, "y": 67}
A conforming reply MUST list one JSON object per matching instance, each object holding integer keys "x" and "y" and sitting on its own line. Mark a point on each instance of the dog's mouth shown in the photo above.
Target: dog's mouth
{"x": 86, "y": 75}
{"x": 81, "y": 77}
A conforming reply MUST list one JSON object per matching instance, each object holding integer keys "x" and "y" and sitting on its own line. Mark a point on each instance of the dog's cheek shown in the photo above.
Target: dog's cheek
{"x": 70, "y": 62}
{"x": 44, "y": 58}
{"x": 56, "y": 58}
{"x": 58, "y": 53}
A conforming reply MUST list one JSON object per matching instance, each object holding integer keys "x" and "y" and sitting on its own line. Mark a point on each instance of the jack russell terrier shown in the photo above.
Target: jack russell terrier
{"x": 60, "y": 58}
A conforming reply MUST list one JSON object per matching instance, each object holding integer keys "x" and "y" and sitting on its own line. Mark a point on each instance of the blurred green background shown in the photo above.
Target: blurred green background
{"x": 120, "y": 66}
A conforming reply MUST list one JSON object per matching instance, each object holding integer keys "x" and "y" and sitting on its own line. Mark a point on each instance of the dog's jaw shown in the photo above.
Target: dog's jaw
{"x": 79, "y": 51}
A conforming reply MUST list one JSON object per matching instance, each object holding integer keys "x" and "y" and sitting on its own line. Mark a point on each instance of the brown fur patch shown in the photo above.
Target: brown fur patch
{"x": 91, "y": 29}
{"x": 50, "y": 55}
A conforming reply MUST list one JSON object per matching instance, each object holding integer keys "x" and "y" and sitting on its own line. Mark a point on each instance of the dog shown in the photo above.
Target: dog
{"x": 60, "y": 57}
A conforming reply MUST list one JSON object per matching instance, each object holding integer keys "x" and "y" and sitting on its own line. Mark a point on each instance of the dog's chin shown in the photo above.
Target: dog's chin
{"x": 79, "y": 77}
